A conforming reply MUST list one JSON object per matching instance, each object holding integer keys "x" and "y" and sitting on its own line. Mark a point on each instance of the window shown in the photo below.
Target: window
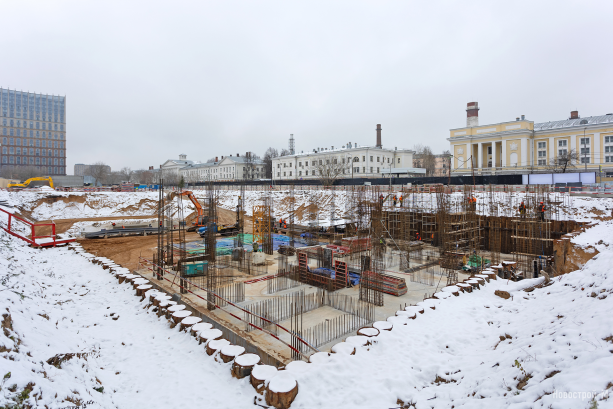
{"x": 18, "y": 151}
{"x": 11, "y": 150}
{"x": 562, "y": 152}
{"x": 371, "y": 158}
{"x": 363, "y": 158}
{"x": 290, "y": 173}
{"x": 398, "y": 160}
{"x": 290, "y": 165}
{"x": 371, "y": 169}
{"x": 299, "y": 173}
{"x": 377, "y": 170}
{"x": 284, "y": 174}
{"x": 300, "y": 164}
{"x": 356, "y": 170}
{"x": 377, "y": 158}
{"x": 608, "y": 149}
{"x": 306, "y": 172}
{"x": 585, "y": 141}
{"x": 11, "y": 141}
{"x": 489, "y": 150}
{"x": 363, "y": 169}
{"x": 562, "y": 143}
{"x": 542, "y": 153}
{"x": 314, "y": 163}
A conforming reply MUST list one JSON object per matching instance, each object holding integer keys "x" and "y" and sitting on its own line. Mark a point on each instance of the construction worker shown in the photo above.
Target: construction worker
{"x": 255, "y": 246}
{"x": 285, "y": 224}
{"x": 381, "y": 198}
{"x": 113, "y": 224}
{"x": 395, "y": 199}
{"x": 541, "y": 210}
{"x": 417, "y": 237}
{"x": 522, "y": 210}
{"x": 401, "y": 200}
{"x": 473, "y": 204}
{"x": 280, "y": 223}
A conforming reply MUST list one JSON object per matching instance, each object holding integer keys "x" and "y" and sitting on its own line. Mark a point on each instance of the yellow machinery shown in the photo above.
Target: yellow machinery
{"x": 27, "y": 182}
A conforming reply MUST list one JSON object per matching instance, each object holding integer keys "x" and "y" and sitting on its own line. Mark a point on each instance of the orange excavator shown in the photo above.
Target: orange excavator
{"x": 201, "y": 219}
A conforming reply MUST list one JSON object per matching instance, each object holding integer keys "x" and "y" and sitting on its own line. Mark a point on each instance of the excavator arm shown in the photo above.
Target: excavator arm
{"x": 27, "y": 182}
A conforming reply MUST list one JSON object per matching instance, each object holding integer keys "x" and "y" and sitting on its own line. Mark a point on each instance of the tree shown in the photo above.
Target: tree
{"x": 212, "y": 160}
{"x": 446, "y": 163}
{"x": 251, "y": 162}
{"x": 126, "y": 174}
{"x": 424, "y": 158}
{"x": 269, "y": 155}
{"x": 146, "y": 177}
{"x": 330, "y": 168}
{"x": 22, "y": 173}
{"x": 99, "y": 171}
{"x": 284, "y": 152}
{"x": 564, "y": 162}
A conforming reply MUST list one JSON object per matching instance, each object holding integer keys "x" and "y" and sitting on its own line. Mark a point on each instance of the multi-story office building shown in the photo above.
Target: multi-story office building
{"x": 33, "y": 131}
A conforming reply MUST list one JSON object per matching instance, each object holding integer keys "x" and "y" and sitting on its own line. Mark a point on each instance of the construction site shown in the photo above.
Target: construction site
{"x": 287, "y": 278}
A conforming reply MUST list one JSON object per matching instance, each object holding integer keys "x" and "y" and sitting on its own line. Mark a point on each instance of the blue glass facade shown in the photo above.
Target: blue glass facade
{"x": 44, "y": 116}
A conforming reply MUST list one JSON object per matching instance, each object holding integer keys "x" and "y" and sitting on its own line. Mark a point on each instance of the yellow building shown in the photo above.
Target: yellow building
{"x": 522, "y": 146}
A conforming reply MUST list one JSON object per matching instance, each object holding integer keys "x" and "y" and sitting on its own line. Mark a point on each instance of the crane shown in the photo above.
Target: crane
{"x": 27, "y": 182}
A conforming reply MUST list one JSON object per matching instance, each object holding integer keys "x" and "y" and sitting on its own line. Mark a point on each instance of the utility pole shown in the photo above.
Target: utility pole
{"x": 449, "y": 171}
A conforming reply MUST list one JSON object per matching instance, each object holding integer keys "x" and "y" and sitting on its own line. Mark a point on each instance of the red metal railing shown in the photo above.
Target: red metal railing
{"x": 291, "y": 334}
{"x": 9, "y": 228}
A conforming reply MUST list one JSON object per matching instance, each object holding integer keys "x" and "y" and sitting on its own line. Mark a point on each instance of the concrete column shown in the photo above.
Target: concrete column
{"x": 494, "y": 154}
{"x": 504, "y": 154}
{"x": 480, "y": 156}
{"x": 523, "y": 160}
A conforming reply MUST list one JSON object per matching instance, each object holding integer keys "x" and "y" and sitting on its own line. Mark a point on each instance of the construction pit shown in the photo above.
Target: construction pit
{"x": 322, "y": 273}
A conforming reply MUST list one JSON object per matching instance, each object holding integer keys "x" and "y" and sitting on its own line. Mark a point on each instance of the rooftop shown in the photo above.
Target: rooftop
{"x": 578, "y": 122}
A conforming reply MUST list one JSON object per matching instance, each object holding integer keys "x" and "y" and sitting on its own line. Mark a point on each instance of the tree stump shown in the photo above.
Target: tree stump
{"x": 178, "y": 316}
{"x": 215, "y": 345}
{"x": 383, "y": 325}
{"x": 319, "y": 357}
{"x": 473, "y": 283}
{"x": 467, "y": 288}
{"x": 230, "y": 352}
{"x": 281, "y": 390}
{"x": 243, "y": 365}
{"x": 453, "y": 289}
{"x": 260, "y": 374}
{"x": 399, "y": 320}
{"x": 358, "y": 340}
{"x": 201, "y": 326}
{"x": 141, "y": 289}
{"x": 139, "y": 281}
{"x": 481, "y": 280}
{"x": 188, "y": 322}
{"x": 172, "y": 309}
{"x": 212, "y": 334}
{"x": 368, "y": 331}
{"x": 343, "y": 348}
{"x": 442, "y": 295}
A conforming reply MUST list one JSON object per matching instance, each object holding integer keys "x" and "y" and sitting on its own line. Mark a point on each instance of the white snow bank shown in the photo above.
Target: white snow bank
{"x": 60, "y": 303}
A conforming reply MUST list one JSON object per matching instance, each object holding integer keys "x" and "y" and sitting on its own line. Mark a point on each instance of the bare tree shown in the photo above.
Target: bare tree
{"x": 424, "y": 158}
{"x": 564, "y": 162}
{"x": 22, "y": 173}
{"x": 212, "y": 160}
{"x": 284, "y": 152}
{"x": 251, "y": 163}
{"x": 270, "y": 154}
{"x": 446, "y": 163}
{"x": 146, "y": 177}
{"x": 330, "y": 168}
{"x": 126, "y": 174}
{"x": 99, "y": 171}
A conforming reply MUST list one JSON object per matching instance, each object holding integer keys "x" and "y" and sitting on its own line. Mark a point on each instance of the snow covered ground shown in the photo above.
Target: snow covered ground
{"x": 60, "y": 303}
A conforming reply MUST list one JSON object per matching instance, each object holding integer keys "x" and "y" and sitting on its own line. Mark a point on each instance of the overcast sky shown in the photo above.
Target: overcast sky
{"x": 148, "y": 80}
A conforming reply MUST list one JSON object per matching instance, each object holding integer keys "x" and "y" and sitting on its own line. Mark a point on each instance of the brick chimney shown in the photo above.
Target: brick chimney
{"x": 472, "y": 114}
{"x": 574, "y": 114}
{"x": 216, "y": 159}
{"x": 379, "y": 145}
{"x": 150, "y": 167}
{"x": 237, "y": 155}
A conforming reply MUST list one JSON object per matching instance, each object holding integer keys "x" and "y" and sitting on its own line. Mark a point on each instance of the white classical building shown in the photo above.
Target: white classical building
{"x": 350, "y": 160}
{"x": 229, "y": 168}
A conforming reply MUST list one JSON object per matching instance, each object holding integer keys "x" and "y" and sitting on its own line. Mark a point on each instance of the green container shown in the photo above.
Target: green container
{"x": 196, "y": 267}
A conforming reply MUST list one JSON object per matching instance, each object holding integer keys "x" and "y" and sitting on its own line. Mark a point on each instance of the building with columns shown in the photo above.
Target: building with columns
{"x": 523, "y": 146}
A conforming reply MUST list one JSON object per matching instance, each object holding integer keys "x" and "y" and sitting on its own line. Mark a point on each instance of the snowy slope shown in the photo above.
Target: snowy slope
{"x": 60, "y": 303}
